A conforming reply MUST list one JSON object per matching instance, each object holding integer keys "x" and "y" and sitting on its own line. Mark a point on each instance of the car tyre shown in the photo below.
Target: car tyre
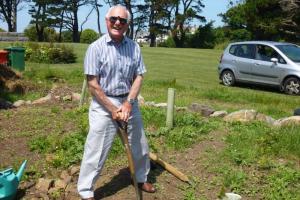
{"x": 292, "y": 86}
{"x": 228, "y": 78}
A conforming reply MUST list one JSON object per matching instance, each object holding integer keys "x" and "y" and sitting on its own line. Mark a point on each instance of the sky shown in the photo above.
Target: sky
{"x": 211, "y": 11}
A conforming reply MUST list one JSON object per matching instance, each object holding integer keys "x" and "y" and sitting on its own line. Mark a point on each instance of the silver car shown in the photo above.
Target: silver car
{"x": 262, "y": 62}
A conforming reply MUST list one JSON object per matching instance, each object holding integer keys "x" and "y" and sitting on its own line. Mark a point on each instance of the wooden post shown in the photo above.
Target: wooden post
{"x": 83, "y": 92}
{"x": 170, "y": 108}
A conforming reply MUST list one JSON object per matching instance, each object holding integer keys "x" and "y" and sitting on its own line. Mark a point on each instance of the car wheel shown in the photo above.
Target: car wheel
{"x": 292, "y": 86}
{"x": 228, "y": 78}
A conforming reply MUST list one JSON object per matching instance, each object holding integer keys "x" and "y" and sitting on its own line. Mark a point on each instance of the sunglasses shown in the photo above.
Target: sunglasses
{"x": 113, "y": 19}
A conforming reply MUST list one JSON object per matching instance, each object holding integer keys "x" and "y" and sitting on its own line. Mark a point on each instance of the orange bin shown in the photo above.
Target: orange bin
{"x": 3, "y": 57}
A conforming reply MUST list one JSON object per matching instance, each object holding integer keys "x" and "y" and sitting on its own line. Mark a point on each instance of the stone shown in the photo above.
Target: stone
{"x": 149, "y": 103}
{"x": 204, "y": 110}
{"x": 181, "y": 108}
{"x": 297, "y": 112}
{"x": 265, "y": 118}
{"x": 161, "y": 105}
{"x": 293, "y": 120}
{"x": 43, "y": 99}
{"x": 74, "y": 170}
{"x": 220, "y": 114}
{"x": 18, "y": 103}
{"x": 67, "y": 98}
{"x": 24, "y": 185}
{"x": 43, "y": 184}
{"x": 71, "y": 188}
{"x": 76, "y": 96}
{"x": 241, "y": 116}
{"x": 60, "y": 184}
{"x": 28, "y": 102}
{"x": 141, "y": 100}
{"x": 72, "y": 196}
{"x": 65, "y": 177}
{"x": 231, "y": 196}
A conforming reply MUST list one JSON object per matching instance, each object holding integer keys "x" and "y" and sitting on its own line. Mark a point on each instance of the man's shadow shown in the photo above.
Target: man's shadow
{"x": 123, "y": 180}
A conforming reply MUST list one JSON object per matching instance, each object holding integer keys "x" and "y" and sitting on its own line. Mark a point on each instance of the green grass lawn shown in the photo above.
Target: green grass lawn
{"x": 193, "y": 72}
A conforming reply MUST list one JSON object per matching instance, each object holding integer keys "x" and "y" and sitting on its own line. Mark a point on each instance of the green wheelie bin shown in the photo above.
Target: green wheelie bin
{"x": 17, "y": 57}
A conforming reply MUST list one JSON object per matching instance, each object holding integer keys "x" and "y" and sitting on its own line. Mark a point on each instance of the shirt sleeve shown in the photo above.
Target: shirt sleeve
{"x": 141, "y": 68}
{"x": 91, "y": 61}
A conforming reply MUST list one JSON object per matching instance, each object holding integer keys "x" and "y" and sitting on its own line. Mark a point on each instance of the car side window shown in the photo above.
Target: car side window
{"x": 265, "y": 53}
{"x": 242, "y": 50}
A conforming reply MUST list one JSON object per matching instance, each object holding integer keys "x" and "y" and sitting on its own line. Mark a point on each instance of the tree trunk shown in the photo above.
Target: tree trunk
{"x": 98, "y": 17}
{"x": 152, "y": 40}
{"x": 76, "y": 37}
{"x": 14, "y": 16}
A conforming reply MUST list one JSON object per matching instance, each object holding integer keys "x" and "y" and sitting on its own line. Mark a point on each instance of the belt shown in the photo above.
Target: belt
{"x": 120, "y": 95}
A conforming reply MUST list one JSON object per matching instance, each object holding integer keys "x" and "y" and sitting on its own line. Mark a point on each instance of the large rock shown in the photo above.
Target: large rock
{"x": 265, "y": 118}
{"x": 241, "y": 116}
{"x": 19, "y": 103}
{"x": 204, "y": 110}
{"x": 297, "y": 112}
{"x": 43, "y": 99}
{"x": 293, "y": 120}
{"x": 221, "y": 113}
{"x": 43, "y": 184}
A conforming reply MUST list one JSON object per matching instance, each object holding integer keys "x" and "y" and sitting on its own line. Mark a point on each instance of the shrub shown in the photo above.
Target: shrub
{"x": 168, "y": 43}
{"x": 49, "y": 53}
{"x": 88, "y": 36}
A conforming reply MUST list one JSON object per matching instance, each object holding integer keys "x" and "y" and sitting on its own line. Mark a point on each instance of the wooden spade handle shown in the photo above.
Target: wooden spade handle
{"x": 169, "y": 167}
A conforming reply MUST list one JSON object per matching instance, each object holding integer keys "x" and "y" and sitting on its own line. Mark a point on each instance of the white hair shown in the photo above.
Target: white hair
{"x": 118, "y": 6}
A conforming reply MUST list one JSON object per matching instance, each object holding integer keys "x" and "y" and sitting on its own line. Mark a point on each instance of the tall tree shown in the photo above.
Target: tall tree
{"x": 71, "y": 16}
{"x": 290, "y": 24}
{"x": 97, "y": 5}
{"x": 8, "y": 13}
{"x": 159, "y": 18}
{"x": 185, "y": 11}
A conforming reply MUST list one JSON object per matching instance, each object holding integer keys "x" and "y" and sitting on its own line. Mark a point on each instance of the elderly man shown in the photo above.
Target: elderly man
{"x": 114, "y": 68}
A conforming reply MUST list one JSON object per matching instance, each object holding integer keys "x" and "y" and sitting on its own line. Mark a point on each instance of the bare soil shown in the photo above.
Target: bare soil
{"x": 114, "y": 183}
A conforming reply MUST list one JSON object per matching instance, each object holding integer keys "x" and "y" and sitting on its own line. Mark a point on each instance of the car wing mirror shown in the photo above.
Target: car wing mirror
{"x": 274, "y": 60}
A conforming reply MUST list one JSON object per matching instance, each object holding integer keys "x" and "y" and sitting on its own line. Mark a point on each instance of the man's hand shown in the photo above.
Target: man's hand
{"x": 125, "y": 111}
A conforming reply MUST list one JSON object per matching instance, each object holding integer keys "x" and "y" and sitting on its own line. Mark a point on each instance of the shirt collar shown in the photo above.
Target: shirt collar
{"x": 109, "y": 40}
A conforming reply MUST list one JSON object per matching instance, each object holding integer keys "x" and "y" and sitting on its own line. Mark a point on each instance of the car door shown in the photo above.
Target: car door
{"x": 243, "y": 60}
{"x": 263, "y": 69}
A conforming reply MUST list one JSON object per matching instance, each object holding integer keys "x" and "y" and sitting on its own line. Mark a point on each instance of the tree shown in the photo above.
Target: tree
{"x": 184, "y": 12}
{"x": 97, "y": 6}
{"x": 290, "y": 25}
{"x": 159, "y": 18}
{"x": 71, "y": 16}
{"x": 8, "y": 13}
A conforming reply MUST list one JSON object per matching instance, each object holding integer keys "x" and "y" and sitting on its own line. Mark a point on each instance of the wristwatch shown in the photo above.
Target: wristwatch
{"x": 131, "y": 101}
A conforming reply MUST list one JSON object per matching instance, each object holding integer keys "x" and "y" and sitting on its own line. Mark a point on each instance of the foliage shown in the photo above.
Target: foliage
{"x": 88, "y": 36}
{"x": 49, "y": 34}
{"x": 203, "y": 38}
{"x": 49, "y": 53}
{"x": 169, "y": 42}
{"x": 67, "y": 36}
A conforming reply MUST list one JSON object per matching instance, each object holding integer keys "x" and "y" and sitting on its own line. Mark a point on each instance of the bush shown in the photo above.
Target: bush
{"x": 88, "y": 36}
{"x": 67, "y": 36}
{"x": 168, "y": 43}
{"x": 49, "y": 53}
{"x": 50, "y": 34}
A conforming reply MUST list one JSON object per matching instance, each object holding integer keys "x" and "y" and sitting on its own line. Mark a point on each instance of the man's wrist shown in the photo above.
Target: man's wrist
{"x": 130, "y": 100}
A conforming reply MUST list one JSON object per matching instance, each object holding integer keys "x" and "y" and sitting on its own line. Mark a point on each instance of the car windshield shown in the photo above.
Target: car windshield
{"x": 291, "y": 51}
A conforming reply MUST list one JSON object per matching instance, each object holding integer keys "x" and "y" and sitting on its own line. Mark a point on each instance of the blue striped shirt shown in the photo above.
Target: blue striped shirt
{"x": 115, "y": 64}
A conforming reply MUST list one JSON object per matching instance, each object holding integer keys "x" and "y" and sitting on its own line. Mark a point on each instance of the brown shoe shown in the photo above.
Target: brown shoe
{"x": 147, "y": 187}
